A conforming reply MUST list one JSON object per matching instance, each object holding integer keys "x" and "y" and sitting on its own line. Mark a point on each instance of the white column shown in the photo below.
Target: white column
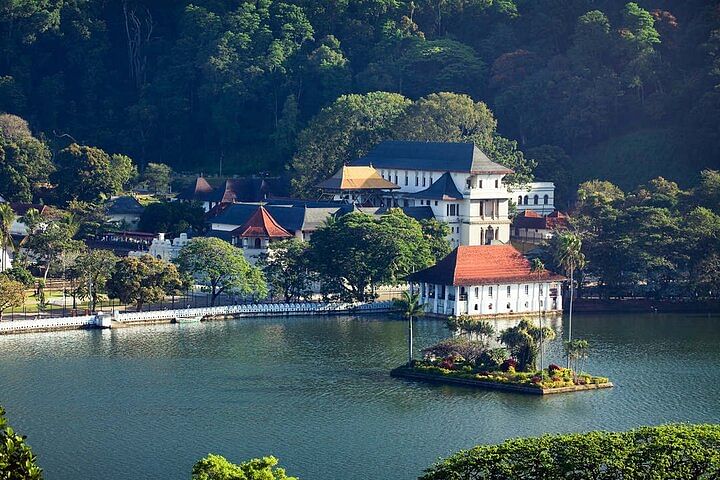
{"x": 435, "y": 303}
{"x": 457, "y": 301}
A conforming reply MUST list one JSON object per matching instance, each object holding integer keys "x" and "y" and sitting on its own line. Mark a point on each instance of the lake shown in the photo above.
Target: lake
{"x": 147, "y": 402}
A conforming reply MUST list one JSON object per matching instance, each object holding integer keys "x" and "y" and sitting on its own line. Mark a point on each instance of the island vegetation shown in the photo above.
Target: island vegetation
{"x": 472, "y": 357}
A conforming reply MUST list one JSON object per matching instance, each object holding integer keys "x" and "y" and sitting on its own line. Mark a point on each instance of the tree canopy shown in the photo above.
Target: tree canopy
{"x": 357, "y": 253}
{"x": 210, "y": 86}
{"x": 221, "y": 267}
{"x": 143, "y": 280}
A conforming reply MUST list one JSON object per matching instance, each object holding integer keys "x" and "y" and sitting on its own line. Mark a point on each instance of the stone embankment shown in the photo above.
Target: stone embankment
{"x": 119, "y": 319}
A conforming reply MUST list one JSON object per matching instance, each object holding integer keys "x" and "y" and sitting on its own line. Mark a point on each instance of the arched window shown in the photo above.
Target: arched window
{"x": 525, "y": 200}
{"x": 536, "y": 199}
{"x": 520, "y": 200}
{"x": 258, "y": 243}
{"x": 546, "y": 199}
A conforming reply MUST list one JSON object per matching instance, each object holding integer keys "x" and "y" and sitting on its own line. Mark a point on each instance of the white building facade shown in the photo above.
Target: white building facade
{"x": 457, "y": 181}
{"x": 487, "y": 281}
{"x": 538, "y": 197}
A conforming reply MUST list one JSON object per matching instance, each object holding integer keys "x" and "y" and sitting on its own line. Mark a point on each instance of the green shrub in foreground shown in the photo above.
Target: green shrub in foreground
{"x": 217, "y": 467}
{"x": 17, "y": 462}
{"x": 667, "y": 452}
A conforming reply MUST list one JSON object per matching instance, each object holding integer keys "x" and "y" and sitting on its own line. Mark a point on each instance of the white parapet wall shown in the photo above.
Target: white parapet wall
{"x": 64, "y": 323}
{"x": 104, "y": 320}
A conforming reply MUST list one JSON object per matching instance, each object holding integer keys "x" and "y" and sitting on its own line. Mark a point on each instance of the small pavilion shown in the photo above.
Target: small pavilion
{"x": 487, "y": 281}
{"x": 258, "y": 232}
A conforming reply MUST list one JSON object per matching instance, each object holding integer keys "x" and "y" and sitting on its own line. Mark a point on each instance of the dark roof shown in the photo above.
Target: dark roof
{"x": 199, "y": 191}
{"x": 434, "y": 156}
{"x": 235, "y": 214}
{"x": 290, "y": 217}
{"x": 418, "y": 213}
{"x": 124, "y": 205}
{"x": 21, "y": 208}
{"x": 480, "y": 265}
{"x": 221, "y": 234}
{"x": 443, "y": 188}
{"x": 246, "y": 189}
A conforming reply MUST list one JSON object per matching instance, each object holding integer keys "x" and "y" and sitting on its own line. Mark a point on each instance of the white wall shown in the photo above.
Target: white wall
{"x": 494, "y": 299}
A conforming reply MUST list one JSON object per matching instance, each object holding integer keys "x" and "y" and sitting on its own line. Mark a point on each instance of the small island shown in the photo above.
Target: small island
{"x": 553, "y": 379}
{"x": 470, "y": 359}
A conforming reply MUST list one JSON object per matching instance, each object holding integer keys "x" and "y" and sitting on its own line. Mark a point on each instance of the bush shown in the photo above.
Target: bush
{"x": 217, "y": 467}
{"x": 17, "y": 462}
{"x": 509, "y": 364}
{"x": 675, "y": 452}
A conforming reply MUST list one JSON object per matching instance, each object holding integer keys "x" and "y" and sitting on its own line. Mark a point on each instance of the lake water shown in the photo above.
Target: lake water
{"x": 147, "y": 402}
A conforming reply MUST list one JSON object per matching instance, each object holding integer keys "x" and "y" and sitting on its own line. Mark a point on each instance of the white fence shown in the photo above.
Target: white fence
{"x": 257, "y": 309}
{"x": 84, "y": 321}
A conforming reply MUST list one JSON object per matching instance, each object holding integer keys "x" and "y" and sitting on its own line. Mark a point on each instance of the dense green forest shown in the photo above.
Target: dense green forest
{"x": 587, "y": 88}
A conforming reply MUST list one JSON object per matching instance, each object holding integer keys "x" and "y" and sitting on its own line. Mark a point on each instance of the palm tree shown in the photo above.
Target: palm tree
{"x": 570, "y": 257}
{"x": 522, "y": 341}
{"x": 7, "y": 217}
{"x": 576, "y": 351}
{"x": 538, "y": 267}
{"x": 410, "y": 307}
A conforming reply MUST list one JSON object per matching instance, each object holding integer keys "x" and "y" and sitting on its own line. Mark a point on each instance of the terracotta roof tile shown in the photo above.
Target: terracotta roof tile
{"x": 480, "y": 265}
{"x": 261, "y": 224}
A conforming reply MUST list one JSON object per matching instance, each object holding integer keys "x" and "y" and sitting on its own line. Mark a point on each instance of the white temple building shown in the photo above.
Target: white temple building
{"x": 456, "y": 181}
{"x": 487, "y": 281}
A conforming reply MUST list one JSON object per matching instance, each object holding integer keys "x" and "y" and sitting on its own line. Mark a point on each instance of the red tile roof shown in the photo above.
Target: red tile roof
{"x": 532, "y": 220}
{"x": 481, "y": 265}
{"x": 261, "y": 224}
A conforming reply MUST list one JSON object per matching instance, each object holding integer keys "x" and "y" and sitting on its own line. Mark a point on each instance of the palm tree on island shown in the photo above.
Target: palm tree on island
{"x": 569, "y": 256}
{"x": 410, "y": 306}
{"x": 538, "y": 267}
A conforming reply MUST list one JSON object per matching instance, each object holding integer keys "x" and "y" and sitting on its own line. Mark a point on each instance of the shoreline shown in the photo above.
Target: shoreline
{"x": 132, "y": 319}
{"x": 411, "y": 374}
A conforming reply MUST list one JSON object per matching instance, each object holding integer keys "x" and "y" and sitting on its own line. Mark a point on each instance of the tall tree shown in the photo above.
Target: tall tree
{"x": 12, "y": 294}
{"x": 143, "y": 280}
{"x": 357, "y": 253}
{"x": 24, "y": 160}
{"x": 52, "y": 243}
{"x": 410, "y": 307}
{"x": 7, "y": 218}
{"x": 342, "y": 132}
{"x": 156, "y": 177}
{"x": 89, "y": 174}
{"x": 94, "y": 268}
{"x": 569, "y": 255}
{"x": 286, "y": 266}
{"x": 221, "y": 267}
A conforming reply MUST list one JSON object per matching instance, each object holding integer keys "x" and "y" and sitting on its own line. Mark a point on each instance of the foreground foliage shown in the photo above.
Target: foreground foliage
{"x": 217, "y": 467}
{"x": 667, "y": 452}
{"x": 17, "y": 462}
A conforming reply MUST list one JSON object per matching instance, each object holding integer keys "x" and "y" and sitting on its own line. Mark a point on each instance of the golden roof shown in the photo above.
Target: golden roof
{"x": 357, "y": 178}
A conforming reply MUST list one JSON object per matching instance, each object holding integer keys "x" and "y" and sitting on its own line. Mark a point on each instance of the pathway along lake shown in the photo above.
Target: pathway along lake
{"x": 147, "y": 402}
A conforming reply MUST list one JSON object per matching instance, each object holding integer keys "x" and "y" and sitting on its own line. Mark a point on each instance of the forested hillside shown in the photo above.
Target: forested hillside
{"x": 604, "y": 88}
